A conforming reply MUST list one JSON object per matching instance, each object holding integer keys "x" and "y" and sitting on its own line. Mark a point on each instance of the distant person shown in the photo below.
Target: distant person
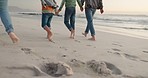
{"x": 90, "y": 8}
{"x": 69, "y": 16}
{"x": 48, "y": 10}
{"x": 6, "y": 20}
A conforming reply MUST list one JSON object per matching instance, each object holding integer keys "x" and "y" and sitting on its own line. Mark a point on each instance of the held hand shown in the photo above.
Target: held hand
{"x": 57, "y": 12}
{"x": 101, "y": 11}
{"x": 81, "y": 8}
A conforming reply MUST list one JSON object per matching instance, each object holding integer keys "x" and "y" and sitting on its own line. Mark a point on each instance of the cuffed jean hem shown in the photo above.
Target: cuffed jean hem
{"x": 46, "y": 19}
{"x": 9, "y": 31}
{"x": 6, "y": 20}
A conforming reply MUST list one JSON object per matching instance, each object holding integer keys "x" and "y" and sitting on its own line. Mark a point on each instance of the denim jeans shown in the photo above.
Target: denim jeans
{"x": 70, "y": 16}
{"x": 46, "y": 19}
{"x": 89, "y": 12}
{"x": 5, "y": 18}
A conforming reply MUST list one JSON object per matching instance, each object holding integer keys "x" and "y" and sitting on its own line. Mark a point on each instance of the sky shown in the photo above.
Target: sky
{"x": 110, "y": 6}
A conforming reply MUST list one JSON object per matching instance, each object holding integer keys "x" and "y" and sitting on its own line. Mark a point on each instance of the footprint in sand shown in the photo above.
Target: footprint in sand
{"x": 144, "y": 60}
{"x": 26, "y": 50}
{"x": 131, "y": 57}
{"x": 113, "y": 68}
{"x": 116, "y": 44}
{"x": 78, "y": 41}
{"x": 145, "y": 51}
{"x": 91, "y": 46}
{"x": 88, "y": 45}
{"x": 104, "y": 68}
{"x": 64, "y": 48}
{"x": 114, "y": 49}
{"x": 29, "y": 51}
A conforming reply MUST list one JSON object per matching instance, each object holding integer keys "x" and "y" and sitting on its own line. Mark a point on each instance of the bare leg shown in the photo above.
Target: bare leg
{"x": 49, "y": 33}
{"x": 72, "y": 34}
{"x": 92, "y": 39}
{"x": 13, "y": 37}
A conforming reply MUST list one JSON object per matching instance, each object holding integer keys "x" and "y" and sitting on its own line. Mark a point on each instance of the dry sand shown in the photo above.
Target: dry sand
{"x": 124, "y": 56}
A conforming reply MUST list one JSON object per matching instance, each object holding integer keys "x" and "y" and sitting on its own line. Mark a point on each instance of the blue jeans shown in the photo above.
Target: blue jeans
{"x": 5, "y": 18}
{"x": 70, "y": 16}
{"x": 89, "y": 12}
{"x": 46, "y": 19}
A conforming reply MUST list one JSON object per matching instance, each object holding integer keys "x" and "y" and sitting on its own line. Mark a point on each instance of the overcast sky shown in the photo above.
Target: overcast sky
{"x": 109, "y": 5}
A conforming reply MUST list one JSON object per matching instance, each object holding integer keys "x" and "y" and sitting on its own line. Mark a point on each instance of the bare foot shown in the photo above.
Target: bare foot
{"x": 49, "y": 34}
{"x": 13, "y": 37}
{"x": 92, "y": 39}
{"x": 85, "y": 34}
{"x": 51, "y": 40}
{"x": 72, "y": 34}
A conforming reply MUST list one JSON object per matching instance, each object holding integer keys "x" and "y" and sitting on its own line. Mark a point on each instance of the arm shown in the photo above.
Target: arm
{"x": 80, "y": 4}
{"x": 101, "y": 4}
{"x": 54, "y": 1}
{"x": 43, "y": 3}
{"x": 50, "y": 2}
{"x": 101, "y": 7}
{"x": 62, "y": 4}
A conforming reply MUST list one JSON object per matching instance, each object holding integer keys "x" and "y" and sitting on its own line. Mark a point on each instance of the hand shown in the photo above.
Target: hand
{"x": 44, "y": 5}
{"x": 81, "y": 8}
{"x": 57, "y": 12}
{"x": 101, "y": 11}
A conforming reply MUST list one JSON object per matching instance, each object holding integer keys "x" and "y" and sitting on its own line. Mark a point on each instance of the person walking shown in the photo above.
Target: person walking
{"x": 90, "y": 8}
{"x": 48, "y": 10}
{"x": 69, "y": 16}
{"x": 6, "y": 20}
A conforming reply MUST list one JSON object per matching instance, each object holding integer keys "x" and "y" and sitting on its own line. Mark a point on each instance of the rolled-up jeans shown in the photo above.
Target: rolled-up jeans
{"x": 6, "y": 20}
{"x": 46, "y": 19}
{"x": 69, "y": 19}
{"x": 89, "y": 12}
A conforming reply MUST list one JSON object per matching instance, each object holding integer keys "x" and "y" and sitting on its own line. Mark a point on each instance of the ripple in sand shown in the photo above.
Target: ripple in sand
{"x": 114, "y": 49}
{"x": 131, "y": 57}
{"x": 145, "y": 51}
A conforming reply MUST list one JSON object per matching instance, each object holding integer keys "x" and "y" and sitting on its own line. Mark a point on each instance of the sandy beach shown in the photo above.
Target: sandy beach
{"x": 125, "y": 56}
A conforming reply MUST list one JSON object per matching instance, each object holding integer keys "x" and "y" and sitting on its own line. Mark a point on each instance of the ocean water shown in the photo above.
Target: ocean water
{"x": 125, "y": 21}
{"x": 129, "y": 24}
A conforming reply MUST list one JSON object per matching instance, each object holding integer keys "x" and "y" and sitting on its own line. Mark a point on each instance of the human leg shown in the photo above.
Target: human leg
{"x": 72, "y": 22}
{"x": 49, "y": 22}
{"x": 92, "y": 30}
{"x": 89, "y": 16}
{"x": 68, "y": 14}
{"x": 6, "y": 20}
{"x": 67, "y": 18}
{"x": 45, "y": 21}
